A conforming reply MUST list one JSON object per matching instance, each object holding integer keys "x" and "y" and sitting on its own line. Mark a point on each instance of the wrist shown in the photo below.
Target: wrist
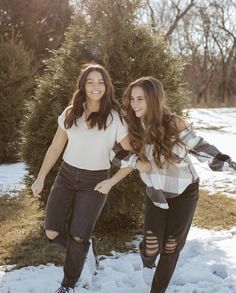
{"x": 41, "y": 178}
{"x": 112, "y": 181}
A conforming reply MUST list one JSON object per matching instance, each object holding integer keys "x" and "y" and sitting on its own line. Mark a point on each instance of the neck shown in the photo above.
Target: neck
{"x": 92, "y": 106}
{"x": 143, "y": 123}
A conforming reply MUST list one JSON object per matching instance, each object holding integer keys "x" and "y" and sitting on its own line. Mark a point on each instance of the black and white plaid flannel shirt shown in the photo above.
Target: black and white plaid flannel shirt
{"x": 172, "y": 180}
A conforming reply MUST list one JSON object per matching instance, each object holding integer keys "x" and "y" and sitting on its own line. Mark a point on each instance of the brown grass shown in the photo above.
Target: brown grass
{"x": 22, "y": 240}
{"x": 215, "y": 212}
{"x": 21, "y": 233}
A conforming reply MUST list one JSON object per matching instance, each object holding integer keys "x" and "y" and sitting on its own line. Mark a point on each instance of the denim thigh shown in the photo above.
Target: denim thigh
{"x": 88, "y": 203}
{"x": 176, "y": 220}
{"x": 181, "y": 212}
{"x": 61, "y": 200}
{"x": 73, "y": 204}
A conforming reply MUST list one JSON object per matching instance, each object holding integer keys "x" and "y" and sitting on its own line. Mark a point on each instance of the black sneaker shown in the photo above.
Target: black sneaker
{"x": 65, "y": 290}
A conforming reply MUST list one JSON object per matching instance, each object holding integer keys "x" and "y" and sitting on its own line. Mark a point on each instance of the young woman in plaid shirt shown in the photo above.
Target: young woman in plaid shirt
{"x": 162, "y": 142}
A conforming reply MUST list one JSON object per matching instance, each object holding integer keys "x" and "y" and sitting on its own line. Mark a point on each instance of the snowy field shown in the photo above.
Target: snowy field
{"x": 11, "y": 178}
{"x": 207, "y": 263}
{"x": 218, "y": 127}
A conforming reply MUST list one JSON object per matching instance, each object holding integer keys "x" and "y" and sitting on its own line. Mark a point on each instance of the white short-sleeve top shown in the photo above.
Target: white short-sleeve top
{"x": 89, "y": 148}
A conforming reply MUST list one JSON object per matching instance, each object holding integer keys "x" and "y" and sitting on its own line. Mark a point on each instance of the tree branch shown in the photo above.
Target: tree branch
{"x": 179, "y": 16}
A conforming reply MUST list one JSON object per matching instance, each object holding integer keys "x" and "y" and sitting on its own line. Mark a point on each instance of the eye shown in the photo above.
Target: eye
{"x": 88, "y": 82}
{"x": 101, "y": 82}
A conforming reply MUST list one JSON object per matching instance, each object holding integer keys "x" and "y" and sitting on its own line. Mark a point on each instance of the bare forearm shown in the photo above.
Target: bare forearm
{"x": 105, "y": 186}
{"x": 49, "y": 161}
{"x": 120, "y": 174}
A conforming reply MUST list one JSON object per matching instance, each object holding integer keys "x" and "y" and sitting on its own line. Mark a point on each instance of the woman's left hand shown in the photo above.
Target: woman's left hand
{"x": 104, "y": 186}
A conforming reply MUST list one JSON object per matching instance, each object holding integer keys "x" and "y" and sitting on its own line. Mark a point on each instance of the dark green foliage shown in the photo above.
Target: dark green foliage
{"x": 106, "y": 32}
{"x": 40, "y": 24}
{"x": 124, "y": 207}
{"x": 16, "y": 81}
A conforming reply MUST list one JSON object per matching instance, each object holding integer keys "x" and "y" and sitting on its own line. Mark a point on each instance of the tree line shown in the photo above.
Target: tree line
{"x": 204, "y": 33}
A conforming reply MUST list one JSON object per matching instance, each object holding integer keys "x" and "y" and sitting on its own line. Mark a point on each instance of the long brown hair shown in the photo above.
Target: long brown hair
{"x": 108, "y": 101}
{"x": 160, "y": 128}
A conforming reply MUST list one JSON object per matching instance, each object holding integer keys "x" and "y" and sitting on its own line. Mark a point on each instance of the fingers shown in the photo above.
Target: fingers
{"x": 35, "y": 191}
{"x": 103, "y": 187}
{"x": 97, "y": 187}
{"x": 36, "y": 188}
{"x": 100, "y": 189}
{"x": 36, "y": 194}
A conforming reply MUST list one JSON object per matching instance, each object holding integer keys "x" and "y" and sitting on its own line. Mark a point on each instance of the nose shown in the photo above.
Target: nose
{"x": 95, "y": 86}
{"x": 134, "y": 103}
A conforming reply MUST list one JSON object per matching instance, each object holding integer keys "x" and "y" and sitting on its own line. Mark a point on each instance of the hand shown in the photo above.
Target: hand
{"x": 37, "y": 187}
{"x": 143, "y": 166}
{"x": 232, "y": 165}
{"x": 104, "y": 186}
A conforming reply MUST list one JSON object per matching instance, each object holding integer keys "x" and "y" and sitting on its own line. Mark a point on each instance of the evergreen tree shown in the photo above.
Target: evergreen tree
{"x": 108, "y": 33}
{"x": 40, "y": 24}
{"x": 16, "y": 81}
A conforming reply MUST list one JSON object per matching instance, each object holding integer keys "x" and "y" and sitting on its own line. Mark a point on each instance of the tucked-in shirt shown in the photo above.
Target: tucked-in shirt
{"x": 90, "y": 148}
{"x": 171, "y": 180}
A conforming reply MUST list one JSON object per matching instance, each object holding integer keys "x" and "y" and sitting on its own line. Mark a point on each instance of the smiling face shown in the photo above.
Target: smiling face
{"x": 138, "y": 102}
{"x": 94, "y": 86}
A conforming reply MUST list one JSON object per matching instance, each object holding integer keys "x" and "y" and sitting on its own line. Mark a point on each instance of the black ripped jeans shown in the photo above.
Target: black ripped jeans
{"x": 170, "y": 227}
{"x": 72, "y": 210}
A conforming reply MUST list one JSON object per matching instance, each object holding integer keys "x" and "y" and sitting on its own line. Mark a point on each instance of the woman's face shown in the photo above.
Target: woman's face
{"x": 94, "y": 86}
{"x": 138, "y": 101}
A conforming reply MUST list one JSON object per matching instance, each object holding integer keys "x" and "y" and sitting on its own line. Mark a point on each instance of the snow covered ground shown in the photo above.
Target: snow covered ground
{"x": 11, "y": 178}
{"x": 218, "y": 127}
{"x": 207, "y": 263}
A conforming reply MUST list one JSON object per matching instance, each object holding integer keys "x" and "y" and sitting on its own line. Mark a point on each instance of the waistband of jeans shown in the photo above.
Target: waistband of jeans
{"x": 192, "y": 186}
{"x": 73, "y": 168}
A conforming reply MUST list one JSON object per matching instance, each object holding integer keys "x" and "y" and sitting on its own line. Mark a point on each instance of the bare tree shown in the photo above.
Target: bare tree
{"x": 168, "y": 14}
{"x": 204, "y": 33}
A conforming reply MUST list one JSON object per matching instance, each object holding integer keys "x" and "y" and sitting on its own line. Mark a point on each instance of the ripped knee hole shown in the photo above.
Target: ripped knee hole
{"x": 171, "y": 245}
{"x": 78, "y": 239}
{"x": 51, "y": 234}
{"x": 151, "y": 243}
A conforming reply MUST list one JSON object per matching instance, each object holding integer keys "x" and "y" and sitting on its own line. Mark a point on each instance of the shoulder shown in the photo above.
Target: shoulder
{"x": 115, "y": 113}
{"x": 179, "y": 122}
{"x": 116, "y": 116}
{"x": 66, "y": 111}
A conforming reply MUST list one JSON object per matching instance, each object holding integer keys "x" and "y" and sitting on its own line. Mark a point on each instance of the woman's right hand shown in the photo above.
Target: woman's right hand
{"x": 37, "y": 187}
{"x": 142, "y": 166}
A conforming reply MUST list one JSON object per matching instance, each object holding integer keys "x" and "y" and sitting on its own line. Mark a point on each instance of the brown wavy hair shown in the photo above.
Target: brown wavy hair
{"x": 108, "y": 101}
{"x": 160, "y": 129}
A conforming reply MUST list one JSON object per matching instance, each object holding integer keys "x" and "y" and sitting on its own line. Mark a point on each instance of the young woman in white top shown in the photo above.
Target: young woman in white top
{"x": 163, "y": 140}
{"x": 90, "y": 126}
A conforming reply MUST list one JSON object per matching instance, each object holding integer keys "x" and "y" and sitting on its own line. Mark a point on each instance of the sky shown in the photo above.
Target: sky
{"x": 207, "y": 263}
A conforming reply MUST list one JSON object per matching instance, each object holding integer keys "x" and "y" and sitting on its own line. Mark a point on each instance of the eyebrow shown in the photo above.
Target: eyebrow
{"x": 137, "y": 97}
{"x": 93, "y": 79}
